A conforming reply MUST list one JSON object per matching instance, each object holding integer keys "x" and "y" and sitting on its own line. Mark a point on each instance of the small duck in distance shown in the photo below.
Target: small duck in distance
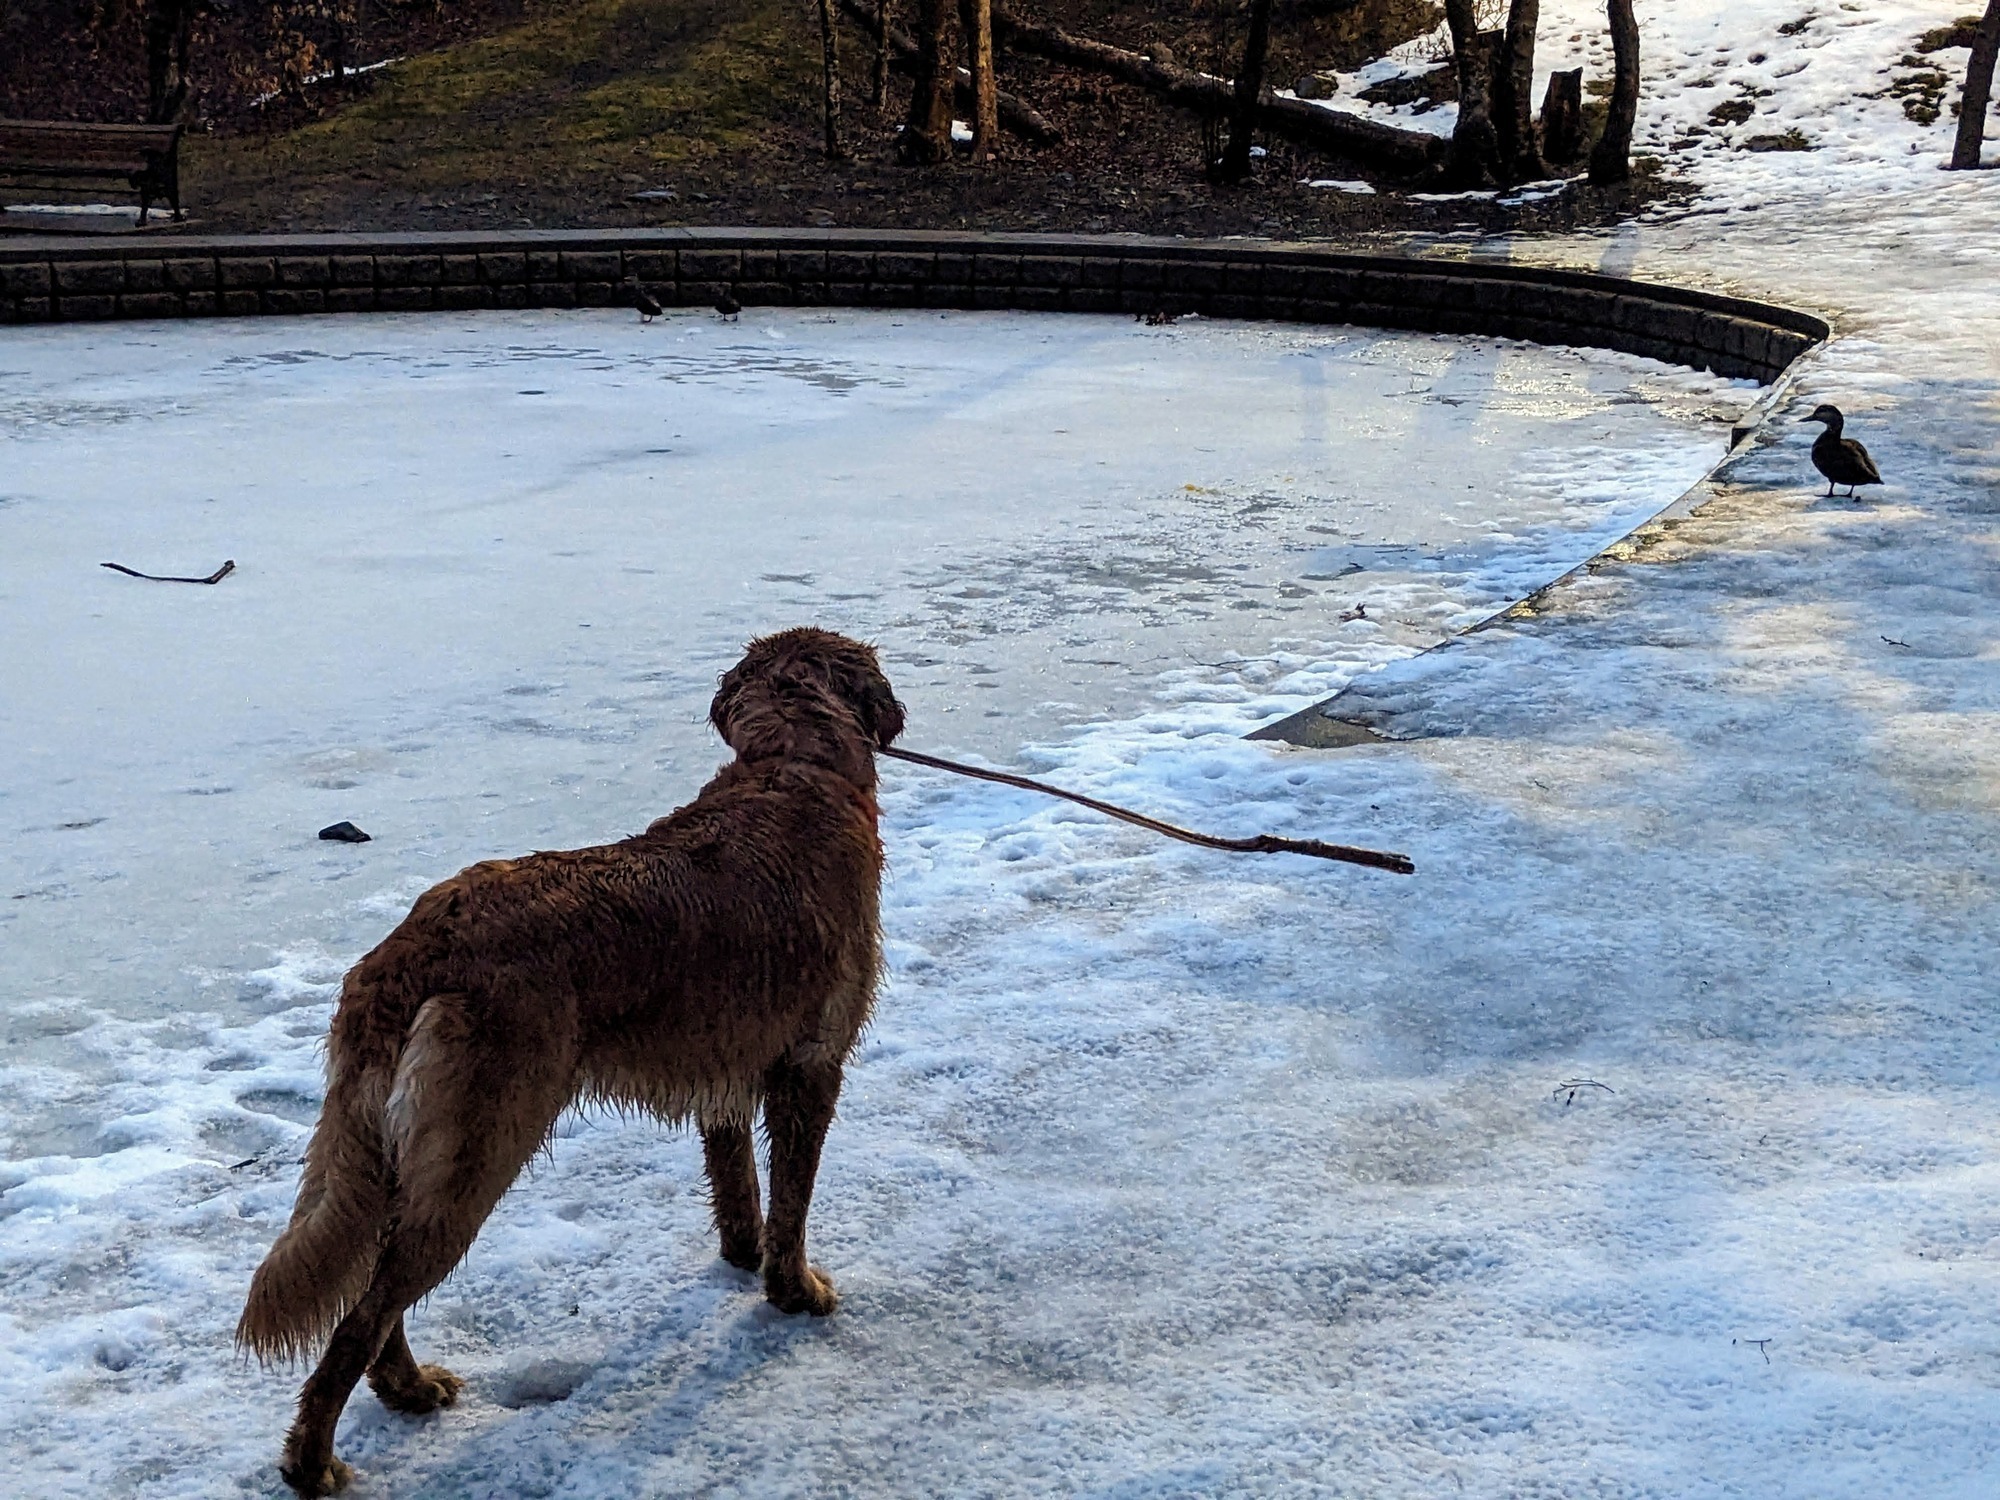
{"x": 727, "y": 307}
{"x": 1841, "y": 459}
{"x": 648, "y": 305}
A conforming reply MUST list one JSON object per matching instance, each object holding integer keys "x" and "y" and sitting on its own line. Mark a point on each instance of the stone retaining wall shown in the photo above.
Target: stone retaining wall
{"x": 53, "y": 279}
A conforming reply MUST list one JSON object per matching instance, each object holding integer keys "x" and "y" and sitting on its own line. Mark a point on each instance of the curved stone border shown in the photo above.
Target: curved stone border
{"x": 50, "y": 279}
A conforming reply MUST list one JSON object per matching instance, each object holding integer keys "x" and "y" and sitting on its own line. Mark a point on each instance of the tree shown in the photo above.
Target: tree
{"x": 829, "y": 53}
{"x": 926, "y": 137}
{"x": 975, "y": 25}
{"x": 881, "y": 56}
{"x": 167, "y": 25}
{"x": 1978, "y": 90}
{"x": 1235, "y": 166}
{"x": 1514, "y": 95}
{"x": 1474, "y": 158}
{"x": 1611, "y": 161}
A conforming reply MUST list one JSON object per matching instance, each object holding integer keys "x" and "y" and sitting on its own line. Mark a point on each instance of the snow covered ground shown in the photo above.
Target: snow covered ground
{"x": 1164, "y": 1174}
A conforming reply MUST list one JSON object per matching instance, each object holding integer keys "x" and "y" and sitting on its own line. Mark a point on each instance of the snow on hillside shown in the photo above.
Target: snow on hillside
{"x": 1169, "y": 1174}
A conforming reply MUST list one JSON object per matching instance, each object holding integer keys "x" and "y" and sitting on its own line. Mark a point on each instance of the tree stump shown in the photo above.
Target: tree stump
{"x": 1562, "y": 117}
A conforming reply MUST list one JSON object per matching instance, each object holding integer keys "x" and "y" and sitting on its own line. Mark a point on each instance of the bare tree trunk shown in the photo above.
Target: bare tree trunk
{"x": 1978, "y": 90}
{"x": 881, "y": 56}
{"x": 975, "y": 24}
{"x": 1474, "y": 158}
{"x": 829, "y": 59}
{"x": 1514, "y": 95}
{"x": 1612, "y": 160}
{"x": 167, "y": 24}
{"x": 1235, "y": 166}
{"x": 1016, "y": 114}
{"x": 927, "y": 132}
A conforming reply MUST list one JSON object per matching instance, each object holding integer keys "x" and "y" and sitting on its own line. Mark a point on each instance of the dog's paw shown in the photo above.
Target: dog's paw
{"x": 435, "y": 1386}
{"x": 328, "y": 1478}
{"x": 811, "y": 1292}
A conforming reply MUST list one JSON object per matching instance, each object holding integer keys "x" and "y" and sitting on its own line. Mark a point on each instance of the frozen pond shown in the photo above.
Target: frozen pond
{"x": 487, "y": 569}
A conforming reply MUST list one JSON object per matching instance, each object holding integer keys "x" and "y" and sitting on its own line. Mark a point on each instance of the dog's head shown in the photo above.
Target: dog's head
{"x": 809, "y": 694}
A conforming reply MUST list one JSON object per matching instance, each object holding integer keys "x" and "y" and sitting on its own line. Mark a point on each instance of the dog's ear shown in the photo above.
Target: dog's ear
{"x": 868, "y": 693}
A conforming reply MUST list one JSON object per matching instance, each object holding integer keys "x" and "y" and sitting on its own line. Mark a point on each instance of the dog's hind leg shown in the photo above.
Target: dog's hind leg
{"x": 401, "y": 1384}
{"x": 466, "y": 1114}
{"x": 731, "y": 1159}
{"x": 799, "y": 1099}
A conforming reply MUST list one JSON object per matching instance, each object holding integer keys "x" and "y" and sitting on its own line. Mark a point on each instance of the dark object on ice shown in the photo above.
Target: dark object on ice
{"x": 344, "y": 833}
{"x": 725, "y": 958}
{"x": 216, "y": 577}
{"x": 1160, "y": 317}
{"x": 1263, "y": 843}
{"x": 648, "y": 305}
{"x": 727, "y": 306}
{"x": 1841, "y": 459}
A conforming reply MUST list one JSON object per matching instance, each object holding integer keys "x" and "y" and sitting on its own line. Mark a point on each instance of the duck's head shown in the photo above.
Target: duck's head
{"x": 1827, "y": 414}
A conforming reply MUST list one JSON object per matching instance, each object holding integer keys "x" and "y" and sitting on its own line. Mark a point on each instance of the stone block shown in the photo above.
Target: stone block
{"x": 32, "y": 309}
{"x": 295, "y": 299}
{"x": 353, "y": 270}
{"x": 89, "y": 276}
{"x": 551, "y": 294}
{"x": 1034, "y": 298}
{"x": 405, "y": 298}
{"x": 953, "y": 266}
{"x": 202, "y": 304}
{"x": 759, "y": 265}
{"x": 1051, "y": 270}
{"x": 149, "y": 305}
{"x": 350, "y": 299}
{"x": 457, "y": 297}
{"x": 409, "y": 270}
{"x": 1327, "y": 284}
{"x": 1191, "y": 277}
{"x": 26, "y": 279}
{"x": 710, "y": 265}
{"x": 460, "y": 270}
{"x": 239, "y": 272}
{"x": 241, "y": 304}
{"x": 544, "y": 266}
{"x": 145, "y": 276}
{"x": 1094, "y": 299}
{"x": 88, "y": 306}
{"x": 1230, "y": 305}
{"x": 845, "y": 265}
{"x": 801, "y": 267}
{"x": 600, "y": 294}
{"x": 592, "y": 265}
{"x": 305, "y": 271}
{"x": 996, "y": 270}
{"x": 1102, "y": 272}
{"x": 897, "y": 265}
{"x": 650, "y": 265}
{"x": 847, "y": 293}
{"x": 764, "y": 293}
{"x": 503, "y": 267}
{"x": 510, "y": 296}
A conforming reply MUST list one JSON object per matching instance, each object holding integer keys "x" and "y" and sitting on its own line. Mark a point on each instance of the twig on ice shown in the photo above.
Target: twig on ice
{"x": 1568, "y": 1089}
{"x": 216, "y": 577}
{"x": 1763, "y": 1346}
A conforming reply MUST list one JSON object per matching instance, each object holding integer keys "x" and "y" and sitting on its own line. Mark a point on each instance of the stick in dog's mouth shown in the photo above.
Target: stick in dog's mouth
{"x": 1263, "y": 843}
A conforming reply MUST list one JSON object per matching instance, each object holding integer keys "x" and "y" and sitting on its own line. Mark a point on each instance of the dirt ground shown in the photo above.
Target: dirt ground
{"x": 506, "y": 113}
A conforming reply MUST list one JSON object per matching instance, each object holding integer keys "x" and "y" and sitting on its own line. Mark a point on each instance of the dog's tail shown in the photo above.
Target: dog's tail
{"x": 323, "y": 1262}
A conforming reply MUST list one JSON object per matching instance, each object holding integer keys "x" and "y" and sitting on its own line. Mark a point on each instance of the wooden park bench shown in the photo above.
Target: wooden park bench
{"x": 144, "y": 157}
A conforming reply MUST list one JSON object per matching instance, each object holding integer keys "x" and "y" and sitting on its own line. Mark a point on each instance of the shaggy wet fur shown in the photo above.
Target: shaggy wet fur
{"x": 723, "y": 959}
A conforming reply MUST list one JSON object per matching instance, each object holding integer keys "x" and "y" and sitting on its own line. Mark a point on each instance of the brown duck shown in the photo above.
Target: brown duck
{"x": 1841, "y": 459}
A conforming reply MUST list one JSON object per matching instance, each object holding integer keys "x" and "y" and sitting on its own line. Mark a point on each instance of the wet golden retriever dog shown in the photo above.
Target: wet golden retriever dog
{"x": 723, "y": 959}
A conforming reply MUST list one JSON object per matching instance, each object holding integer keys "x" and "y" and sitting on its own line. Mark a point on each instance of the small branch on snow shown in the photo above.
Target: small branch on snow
{"x": 1567, "y": 1090}
{"x": 216, "y": 577}
{"x": 1762, "y": 1346}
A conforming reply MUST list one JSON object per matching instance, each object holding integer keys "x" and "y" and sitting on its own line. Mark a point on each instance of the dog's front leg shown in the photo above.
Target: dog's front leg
{"x": 799, "y": 1098}
{"x": 732, "y": 1191}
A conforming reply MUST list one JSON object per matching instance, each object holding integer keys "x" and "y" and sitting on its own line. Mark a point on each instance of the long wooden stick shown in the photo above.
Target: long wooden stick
{"x": 1263, "y": 843}
{"x": 216, "y": 577}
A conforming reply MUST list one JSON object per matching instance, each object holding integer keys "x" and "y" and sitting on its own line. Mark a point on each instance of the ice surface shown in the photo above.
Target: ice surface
{"x": 1163, "y": 1173}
